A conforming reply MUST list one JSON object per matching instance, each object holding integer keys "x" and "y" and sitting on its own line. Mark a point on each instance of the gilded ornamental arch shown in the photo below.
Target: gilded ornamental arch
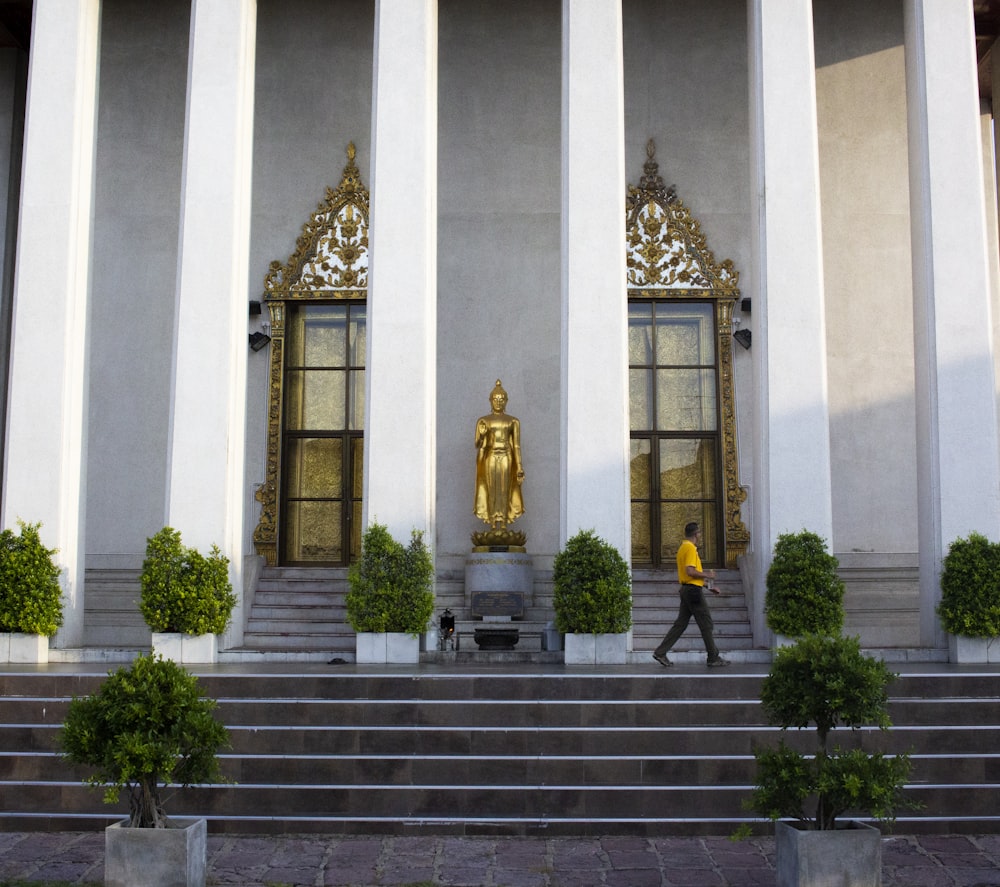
{"x": 311, "y": 494}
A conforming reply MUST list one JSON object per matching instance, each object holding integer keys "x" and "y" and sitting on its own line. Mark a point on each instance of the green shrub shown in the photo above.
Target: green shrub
{"x": 804, "y": 594}
{"x": 970, "y": 588}
{"x": 391, "y": 587}
{"x": 592, "y": 587}
{"x": 182, "y": 590}
{"x": 30, "y": 594}
{"x": 828, "y": 682}
{"x": 147, "y": 726}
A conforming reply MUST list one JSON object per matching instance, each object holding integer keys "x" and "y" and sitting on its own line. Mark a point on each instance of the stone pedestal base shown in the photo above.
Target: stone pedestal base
{"x": 498, "y": 583}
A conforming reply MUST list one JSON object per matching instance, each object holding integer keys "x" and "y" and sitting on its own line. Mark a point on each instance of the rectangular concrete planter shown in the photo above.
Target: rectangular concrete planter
{"x": 17, "y": 647}
{"x": 379, "y": 648}
{"x": 595, "y": 649}
{"x": 843, "y": 857}
{"x": 970, "y": 651}
{"x": 156, "y": 857}
{"x": 186, "y": 648}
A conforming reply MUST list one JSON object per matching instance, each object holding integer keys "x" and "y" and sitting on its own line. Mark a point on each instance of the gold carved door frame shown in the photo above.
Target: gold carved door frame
{"x": 330, "y": 262}
{"x": 667, "y": 258}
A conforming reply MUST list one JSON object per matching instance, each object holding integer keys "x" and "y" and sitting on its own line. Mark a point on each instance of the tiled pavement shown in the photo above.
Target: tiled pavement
{"x": 254, "y": 861}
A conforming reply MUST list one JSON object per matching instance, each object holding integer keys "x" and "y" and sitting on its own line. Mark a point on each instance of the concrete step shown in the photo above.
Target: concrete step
{"x": 111, "y": 609}
{"x": 499, "y": 750}
{"x": 300, "y": 609}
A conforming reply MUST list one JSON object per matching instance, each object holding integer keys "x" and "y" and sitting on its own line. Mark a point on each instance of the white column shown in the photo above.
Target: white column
{"x": 791, "y": 433}
{"x": 205, "y": 484}
{"x": 402, "y": 297}
{"x": 957, "y": 446}
{"x": 594, "y": 457}
{"x": 45, "y": 474}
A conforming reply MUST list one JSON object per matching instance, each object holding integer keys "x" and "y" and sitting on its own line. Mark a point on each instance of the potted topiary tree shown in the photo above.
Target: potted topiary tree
{"x": 187, "y": 598}
{"x": 592, "y": 597}
{"x": 827, "y": 681}
{"x": 30, "y": 595}
{"x": 390, "y": 596}
{"x": 804, "y": 595}
{"x": 970, "y": 599}
{"x": 148, "y": 727}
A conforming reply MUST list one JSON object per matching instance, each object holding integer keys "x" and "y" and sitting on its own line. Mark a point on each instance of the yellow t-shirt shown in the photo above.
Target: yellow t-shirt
{"x": 687, "y": 555}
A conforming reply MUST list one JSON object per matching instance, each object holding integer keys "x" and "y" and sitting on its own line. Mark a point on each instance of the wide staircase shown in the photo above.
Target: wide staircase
{"x": 300, "y": 613}
{"x": 498, "y": 750}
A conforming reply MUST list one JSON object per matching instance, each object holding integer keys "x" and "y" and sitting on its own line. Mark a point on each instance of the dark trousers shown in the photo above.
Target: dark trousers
{"x": 693, "y": 603}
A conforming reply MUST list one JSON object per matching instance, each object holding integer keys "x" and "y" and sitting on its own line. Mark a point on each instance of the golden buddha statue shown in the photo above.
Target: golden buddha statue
{"x": 499, "y": 475}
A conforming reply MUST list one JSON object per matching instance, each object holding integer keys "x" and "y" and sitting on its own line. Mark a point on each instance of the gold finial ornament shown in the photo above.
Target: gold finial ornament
{"x": 499, "y": 475}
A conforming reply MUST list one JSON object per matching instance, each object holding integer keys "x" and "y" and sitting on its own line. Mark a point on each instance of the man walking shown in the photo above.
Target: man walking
{"x": 692, "y": 578}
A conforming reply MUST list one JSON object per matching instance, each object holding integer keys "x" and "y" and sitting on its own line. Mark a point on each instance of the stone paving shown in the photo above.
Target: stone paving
{"x": 361, "y": 861}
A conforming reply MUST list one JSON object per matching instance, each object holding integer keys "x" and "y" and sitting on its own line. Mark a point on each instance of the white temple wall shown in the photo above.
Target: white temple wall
{"x": 861, "y": 98}
{"x": 13, "y": 79}
{"x": 991, "y": 175}
{"x": 686, "y": 82}
{"x": 140, "y": 137}
{"x": 499, "y": 168}
{"x": 498, "y": 254}
{"x": 313, "y": 96}
{"x": 686, "y": 88}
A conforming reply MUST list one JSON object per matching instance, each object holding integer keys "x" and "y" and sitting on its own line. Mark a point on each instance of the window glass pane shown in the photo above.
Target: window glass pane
{"x": 687, "y": 469}
{"x": 313, "y": 531}
{"x": 641, "y": 552}
{"x": 314, "y": 400}
{"x": 640, "y": 468}
{"x": 685, "y": 334}
{"x": 316, "y": 335}
{"x": 674, "y": 516}
{"x": 355, "y": 531}
{"x": 358, "y": 341}
{"x": 292, "y": 396}
{"x": 314, "y": 467}
{"x": 326, "y": 335}
{"x": 640, "y": 400}
{"x": 323, "y": 393}
{"x": 357, "y": 467}
{"x": 295, "y": 334}
{"x": 685, "y": 400}
{"x": 356, "y": 398}
{"x": 640, "y": 334}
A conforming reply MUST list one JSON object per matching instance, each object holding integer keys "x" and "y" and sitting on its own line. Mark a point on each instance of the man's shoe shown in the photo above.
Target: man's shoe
{"x": 662, "y": 660}
{"x": 718, "y": 663}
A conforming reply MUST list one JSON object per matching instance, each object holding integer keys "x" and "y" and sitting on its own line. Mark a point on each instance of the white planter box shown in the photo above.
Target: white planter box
{"x": 969, "y": 650}
{"x": 403, "y": 648}
{"x": 595, "y": 649}
{"x": 843, "y": 857}
{"x": 191, "y": 648}
{"x": 16, "y": 647}
{"x": 379, "y": 648}
{"x": 156, "y": 857}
